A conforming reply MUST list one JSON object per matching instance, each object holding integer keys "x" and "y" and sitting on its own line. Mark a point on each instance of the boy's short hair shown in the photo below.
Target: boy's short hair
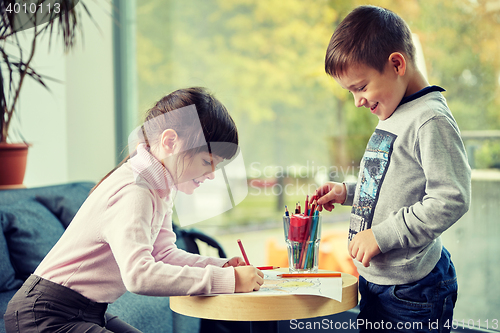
{"x": 368, "y": 35}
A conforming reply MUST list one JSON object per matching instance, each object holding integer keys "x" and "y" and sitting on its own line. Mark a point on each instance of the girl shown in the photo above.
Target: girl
{"x": 122, "y": 239}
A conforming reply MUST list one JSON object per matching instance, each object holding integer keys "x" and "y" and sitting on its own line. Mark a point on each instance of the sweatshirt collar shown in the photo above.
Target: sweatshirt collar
{"x": 147, "y": 168}
{"x": 420, "y": 93}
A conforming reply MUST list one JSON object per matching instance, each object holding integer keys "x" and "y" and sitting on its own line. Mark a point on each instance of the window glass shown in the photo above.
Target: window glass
{"x": 265, "y": 61}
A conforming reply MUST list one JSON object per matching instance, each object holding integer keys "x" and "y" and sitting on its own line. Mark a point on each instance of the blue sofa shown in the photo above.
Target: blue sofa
{"x": 32, "y": 220}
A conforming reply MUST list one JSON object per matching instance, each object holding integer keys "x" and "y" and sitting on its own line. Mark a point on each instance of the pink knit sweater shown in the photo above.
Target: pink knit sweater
{"x": 122, "y": 239}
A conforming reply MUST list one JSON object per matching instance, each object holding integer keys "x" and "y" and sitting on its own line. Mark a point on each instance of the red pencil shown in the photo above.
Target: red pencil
{"x": 306, "y": 206}
{"x": 313, "y": 207}
{"x": 243, "y": 252}
{"x": 264, "y": 268}
{"x": 309, "y": 275}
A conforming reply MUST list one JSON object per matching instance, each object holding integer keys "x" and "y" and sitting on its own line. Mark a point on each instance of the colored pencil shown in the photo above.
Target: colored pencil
{"x": 264, "y": 268}
{"x": 286, "y": 211}
{"x": 309, "y": 275}
{"x": 313, "y": 207}
{"x": 286, "y": 224}
{"x": 306, "y": 206}
{"x": 315, "y": 198}
{"x": 313, "y": 236}
{"x": 304, "y": 242}
{"x": 243, "y": 252}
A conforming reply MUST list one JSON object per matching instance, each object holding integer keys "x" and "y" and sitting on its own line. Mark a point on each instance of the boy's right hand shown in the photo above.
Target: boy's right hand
{"x": 329, "y": 194}
{"x": 247, "y": 279}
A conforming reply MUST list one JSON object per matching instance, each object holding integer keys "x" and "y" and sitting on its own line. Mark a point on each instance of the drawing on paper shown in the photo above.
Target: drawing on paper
{"x": 326, "y": 287}
{"x": 287, "y": 286}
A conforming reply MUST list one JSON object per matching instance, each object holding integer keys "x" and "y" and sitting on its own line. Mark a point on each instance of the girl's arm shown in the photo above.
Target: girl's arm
{"x": 166, "y": 251}
{"x": 127, "y": 230}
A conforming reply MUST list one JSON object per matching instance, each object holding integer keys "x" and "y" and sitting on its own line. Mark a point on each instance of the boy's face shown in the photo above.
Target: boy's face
{"x": 379, "y": 92}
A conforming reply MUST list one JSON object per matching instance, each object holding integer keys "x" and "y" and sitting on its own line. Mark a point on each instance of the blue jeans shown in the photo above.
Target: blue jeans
{"x": 422, "y": 306}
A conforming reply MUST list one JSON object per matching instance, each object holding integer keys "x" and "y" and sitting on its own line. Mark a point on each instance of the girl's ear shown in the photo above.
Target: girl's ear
{"x": 169, "y": 139}
{"x": 398, "y": 63}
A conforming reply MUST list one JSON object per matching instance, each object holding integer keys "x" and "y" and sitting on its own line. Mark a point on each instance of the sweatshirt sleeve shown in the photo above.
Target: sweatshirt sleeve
{"x": 128, "y": 232}
{"x": 440, "y": 153}
{"x": 350, "y": 190}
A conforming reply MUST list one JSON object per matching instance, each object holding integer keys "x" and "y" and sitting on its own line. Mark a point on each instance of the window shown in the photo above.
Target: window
{"x": 265, "y": 61}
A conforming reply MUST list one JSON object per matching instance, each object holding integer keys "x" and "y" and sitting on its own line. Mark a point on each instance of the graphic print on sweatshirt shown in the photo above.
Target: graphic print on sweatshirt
{"x": 373, "y": 168}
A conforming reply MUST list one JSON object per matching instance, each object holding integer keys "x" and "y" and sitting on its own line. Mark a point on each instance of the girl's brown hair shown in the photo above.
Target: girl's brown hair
{"x": 216, "y": 124}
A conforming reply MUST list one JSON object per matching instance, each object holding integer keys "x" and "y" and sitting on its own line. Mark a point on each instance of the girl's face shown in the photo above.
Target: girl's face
{"x": 190, "y": 171}
{"x": 197, "y": 169}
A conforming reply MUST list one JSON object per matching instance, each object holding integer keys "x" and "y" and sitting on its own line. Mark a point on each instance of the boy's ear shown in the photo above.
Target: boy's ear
{"x": 398, "y": 63}
{"x": 169, "y": 138}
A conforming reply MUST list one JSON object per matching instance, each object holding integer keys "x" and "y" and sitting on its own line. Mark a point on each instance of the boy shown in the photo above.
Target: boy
{"x": 414, "y": 179}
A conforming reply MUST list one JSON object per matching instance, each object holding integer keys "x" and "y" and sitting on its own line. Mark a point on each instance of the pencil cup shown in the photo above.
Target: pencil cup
{"x": 302, "y": 236}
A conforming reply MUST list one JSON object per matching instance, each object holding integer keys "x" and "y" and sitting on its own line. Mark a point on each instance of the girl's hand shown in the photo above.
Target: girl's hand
{"x": 329, "y": 194}
{"x": 235, "y": 262}
{"x": 247, "y": 279}
{"x": 364, "y": 247}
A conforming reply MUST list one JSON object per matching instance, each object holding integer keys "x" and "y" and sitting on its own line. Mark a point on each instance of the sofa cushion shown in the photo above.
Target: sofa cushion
{"x": 30, "y": 231}
{"x": 130, "y": 308}
{"x": 8, "y": 279}
{"x": 65, "y": 203}
{"x": 5, "y": 297}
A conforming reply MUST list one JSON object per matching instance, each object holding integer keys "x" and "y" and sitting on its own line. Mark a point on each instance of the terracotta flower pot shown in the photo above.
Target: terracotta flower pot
{"x": 13, "y": 158}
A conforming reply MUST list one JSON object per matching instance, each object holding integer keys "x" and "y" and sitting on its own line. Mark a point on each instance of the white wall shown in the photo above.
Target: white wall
{"x": 71, "y": 128}
{"x": 90, "y": 99}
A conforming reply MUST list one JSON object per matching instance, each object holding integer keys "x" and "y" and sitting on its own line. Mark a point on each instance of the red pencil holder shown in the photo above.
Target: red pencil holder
{"x": 297, "y": 231}
{"x": 302, "y": 236}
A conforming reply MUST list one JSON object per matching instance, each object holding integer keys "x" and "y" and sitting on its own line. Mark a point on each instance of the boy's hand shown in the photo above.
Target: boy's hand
{"x": 330, "y": 194}
{"x": 364, "y": 247}
{"x": 235, "y": 262}
{"x": 247, "y": 279}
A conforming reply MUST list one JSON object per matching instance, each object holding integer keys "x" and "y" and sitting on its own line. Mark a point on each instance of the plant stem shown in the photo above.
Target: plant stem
{"x": 10, "y": 112}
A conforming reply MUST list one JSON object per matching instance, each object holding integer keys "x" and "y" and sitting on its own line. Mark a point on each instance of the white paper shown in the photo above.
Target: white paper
{"x": 325, "y": 287}
{"x": 273, "y": 285}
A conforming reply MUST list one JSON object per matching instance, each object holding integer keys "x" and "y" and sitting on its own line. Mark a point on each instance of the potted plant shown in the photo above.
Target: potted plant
{"x": 59, "y": 18}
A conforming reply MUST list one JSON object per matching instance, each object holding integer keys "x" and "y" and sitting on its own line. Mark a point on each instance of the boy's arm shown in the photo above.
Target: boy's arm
{"x": 350, "y": 189}
{"x": 331, "y": 193}
{"x": 440, "y": 152}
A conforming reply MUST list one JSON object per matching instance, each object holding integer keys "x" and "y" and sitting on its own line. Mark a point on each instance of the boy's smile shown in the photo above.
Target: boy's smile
{"x": 379, "y": 92}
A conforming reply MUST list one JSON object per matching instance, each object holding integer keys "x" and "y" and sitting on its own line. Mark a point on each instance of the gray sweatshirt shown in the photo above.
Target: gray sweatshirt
{"x": 413, "y": 184}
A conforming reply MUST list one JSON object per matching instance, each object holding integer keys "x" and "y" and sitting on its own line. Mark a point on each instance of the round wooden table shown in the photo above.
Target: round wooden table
{"x": 256, "y": 308}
